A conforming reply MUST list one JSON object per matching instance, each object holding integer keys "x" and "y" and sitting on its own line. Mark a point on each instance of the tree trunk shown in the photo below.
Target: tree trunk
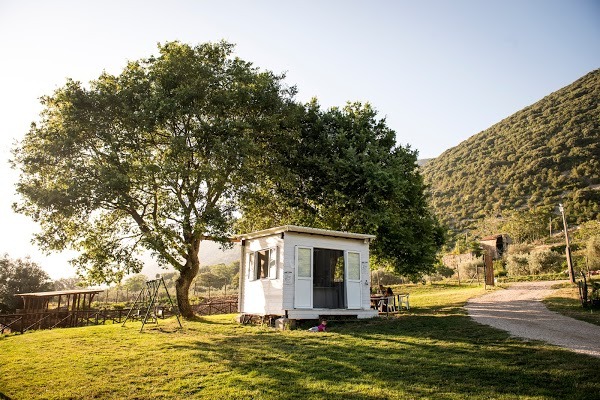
{"x": 186, "y": 275}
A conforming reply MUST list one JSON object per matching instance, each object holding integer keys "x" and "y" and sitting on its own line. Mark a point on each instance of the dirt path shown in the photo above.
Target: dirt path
{"x": 519, "y": 310}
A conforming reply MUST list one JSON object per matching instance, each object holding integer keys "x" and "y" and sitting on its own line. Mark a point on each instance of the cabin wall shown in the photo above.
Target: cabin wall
{"x": 293, "y": 239}
{"x": 261, "y": 296}
{"x": 490, "y": 247}
{"x": 276, "y": 296}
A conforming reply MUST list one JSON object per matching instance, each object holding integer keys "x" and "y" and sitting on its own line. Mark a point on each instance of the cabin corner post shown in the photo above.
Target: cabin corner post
{"x": 242, "y": 274}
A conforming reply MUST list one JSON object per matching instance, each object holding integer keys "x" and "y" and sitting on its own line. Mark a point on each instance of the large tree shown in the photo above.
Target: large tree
{"x": 345, "y": 171}
{"x": 527, "y": 225}
{"x": 151, "y": 159}
{"x": 20, "y": 276}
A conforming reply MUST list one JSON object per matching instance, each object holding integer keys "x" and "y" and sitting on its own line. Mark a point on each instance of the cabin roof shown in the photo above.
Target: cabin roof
{"x": 307, "y": 230}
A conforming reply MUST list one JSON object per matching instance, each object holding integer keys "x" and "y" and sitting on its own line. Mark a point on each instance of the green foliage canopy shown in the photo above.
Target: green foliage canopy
{"x": 68, "y": 283}
{"x": 150, "y": 159}
{"x": 219, "y": 275}
{"x": 136, "y": 282}
{"x": 527, "y": 225}
{"x": 588, "y": 237}
{"x": 527, "y": 260}
{"x": 163, "y": 155}
{"x": 592, "y": 253}
{"x": 20, "y": 276}
{"x": 588, "y": 230}
{"x": 344, "y": 171}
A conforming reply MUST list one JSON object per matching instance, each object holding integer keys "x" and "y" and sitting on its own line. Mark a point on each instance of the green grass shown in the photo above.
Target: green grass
{"x": 566, "y": 301}
{"x": 435, "y": 351}
{"x": 438, "y": 297}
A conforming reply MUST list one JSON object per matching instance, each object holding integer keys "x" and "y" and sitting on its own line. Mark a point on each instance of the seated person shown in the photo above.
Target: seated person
{"x": 383, "y": 303}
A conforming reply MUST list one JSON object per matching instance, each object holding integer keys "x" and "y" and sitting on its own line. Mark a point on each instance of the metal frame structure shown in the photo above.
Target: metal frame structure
{"x": 151, "y": 290}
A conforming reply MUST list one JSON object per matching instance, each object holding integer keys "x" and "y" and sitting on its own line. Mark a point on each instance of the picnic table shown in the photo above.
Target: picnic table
{"x": 387, "y": 304}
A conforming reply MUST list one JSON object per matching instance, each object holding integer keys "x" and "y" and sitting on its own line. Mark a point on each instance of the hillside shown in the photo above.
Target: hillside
{"x": 544, "y": 154}
{"x": 211, "y": 253}
{"x": 424, "y": 161}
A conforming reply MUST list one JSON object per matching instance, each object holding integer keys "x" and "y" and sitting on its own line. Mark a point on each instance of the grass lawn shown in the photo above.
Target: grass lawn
{"x": 435, "y": 351}
{"x": 566, "y": 301}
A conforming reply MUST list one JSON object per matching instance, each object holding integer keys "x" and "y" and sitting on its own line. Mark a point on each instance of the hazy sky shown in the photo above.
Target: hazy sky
{"x": 438, "y": 71}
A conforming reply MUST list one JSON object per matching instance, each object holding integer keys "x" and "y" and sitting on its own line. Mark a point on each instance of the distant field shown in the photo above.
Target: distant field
{"x": 435, "y": 352}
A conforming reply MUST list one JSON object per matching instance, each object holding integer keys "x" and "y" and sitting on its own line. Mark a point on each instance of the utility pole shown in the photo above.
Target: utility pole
{"x": 567, "y": 248}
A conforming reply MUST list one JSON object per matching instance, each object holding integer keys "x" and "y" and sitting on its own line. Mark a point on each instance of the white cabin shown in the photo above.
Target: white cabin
{"x": 305, "y": 273}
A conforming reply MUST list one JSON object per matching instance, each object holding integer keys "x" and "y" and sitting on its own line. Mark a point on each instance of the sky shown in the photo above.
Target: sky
{"x": 437, "y": 71}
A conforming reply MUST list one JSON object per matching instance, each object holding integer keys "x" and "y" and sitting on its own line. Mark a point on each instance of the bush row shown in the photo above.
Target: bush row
{"x": 531, "y": 278}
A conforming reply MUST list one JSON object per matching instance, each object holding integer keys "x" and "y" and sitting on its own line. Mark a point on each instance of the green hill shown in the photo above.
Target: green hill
{"x": 545, "y": 154}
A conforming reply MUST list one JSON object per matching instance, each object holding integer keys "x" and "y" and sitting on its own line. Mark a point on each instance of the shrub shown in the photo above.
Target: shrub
{"x": 444, "y": 271}
{"x": 517, "y": 264}
{"x": 544, "y": 261}
{"x": 386, "y": 278}
{"x": 20, "y": 276}
{"x": 592, "y": 252}
{"x": 441, "y": 272}
{"x": 531, "y": 278}
{"x": 469, "y": 269}
{"x": 523, "y": 260}
{"x": 500, "y": 268}
{"x": 519, "y": 249}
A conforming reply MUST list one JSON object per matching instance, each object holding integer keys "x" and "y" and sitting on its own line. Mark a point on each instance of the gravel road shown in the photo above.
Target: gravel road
{"x": 519, "y": 310}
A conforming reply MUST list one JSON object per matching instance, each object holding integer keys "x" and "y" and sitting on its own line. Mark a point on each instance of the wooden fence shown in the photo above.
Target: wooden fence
{"x": 23, "y": 322}
{"x": 58, "y": 319}
{"x": 213, "y": 308}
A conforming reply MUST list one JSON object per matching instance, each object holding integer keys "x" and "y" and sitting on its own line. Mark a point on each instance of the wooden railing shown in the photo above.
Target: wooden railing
{"x": 22, "y": 322}
{"x": 213, "y": 308}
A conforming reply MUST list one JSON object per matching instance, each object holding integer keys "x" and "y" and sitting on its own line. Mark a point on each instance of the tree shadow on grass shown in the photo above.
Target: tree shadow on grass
{"x": 412, "y": 356}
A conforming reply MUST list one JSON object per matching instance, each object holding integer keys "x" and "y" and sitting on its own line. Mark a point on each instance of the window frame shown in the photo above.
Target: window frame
{"x": 269, "y": 267}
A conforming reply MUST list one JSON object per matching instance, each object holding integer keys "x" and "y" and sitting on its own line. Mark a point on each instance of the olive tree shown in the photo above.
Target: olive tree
{"x": 152, "y": 159}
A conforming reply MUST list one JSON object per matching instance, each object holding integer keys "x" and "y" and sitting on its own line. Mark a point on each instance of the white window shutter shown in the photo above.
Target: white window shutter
{"x": 273, "y": 253}
{"x": 251, "y": 266}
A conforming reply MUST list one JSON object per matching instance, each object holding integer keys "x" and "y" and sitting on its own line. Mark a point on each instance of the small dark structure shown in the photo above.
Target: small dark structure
{"x": 495, "y": 245}
{"x": 68, "y": 300}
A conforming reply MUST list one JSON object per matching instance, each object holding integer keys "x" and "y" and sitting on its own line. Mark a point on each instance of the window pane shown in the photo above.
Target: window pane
{"x": 273, "y": 263}
{"x": 304, "y": 269}
{"x": 354, "y": 266}
{"x": 263, "y": 264}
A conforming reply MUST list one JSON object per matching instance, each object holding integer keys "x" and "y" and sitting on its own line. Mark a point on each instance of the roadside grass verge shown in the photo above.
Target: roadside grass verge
{"x": 434, "y": 351}
{"x": 566, "y": 302}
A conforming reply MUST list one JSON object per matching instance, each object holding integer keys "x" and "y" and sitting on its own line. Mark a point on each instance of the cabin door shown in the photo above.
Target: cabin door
{"x": 303, "y": 289}
{"x": 353, "y": 282}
